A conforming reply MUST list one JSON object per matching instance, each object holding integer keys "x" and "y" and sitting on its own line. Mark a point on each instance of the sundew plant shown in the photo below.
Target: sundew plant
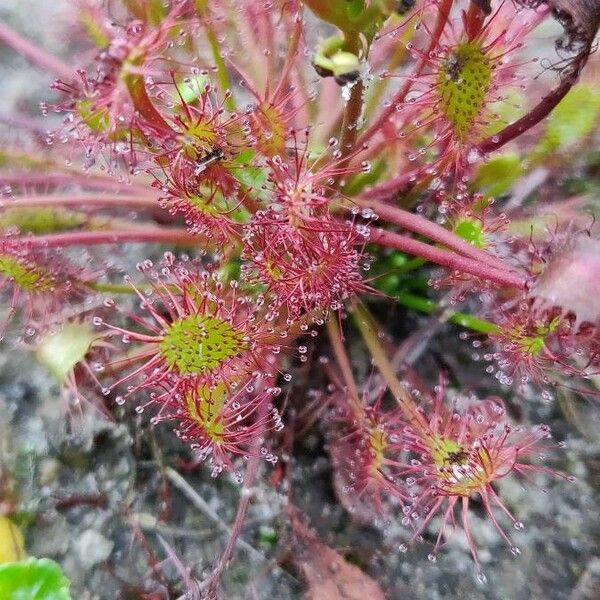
{"x": 243, "y": 221}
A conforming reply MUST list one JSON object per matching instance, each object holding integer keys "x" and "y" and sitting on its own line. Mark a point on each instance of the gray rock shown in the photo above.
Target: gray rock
{"x": 92, "y": 548}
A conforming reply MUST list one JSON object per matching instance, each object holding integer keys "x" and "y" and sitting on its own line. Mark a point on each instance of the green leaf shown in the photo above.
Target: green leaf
{"x": 267, "y": 536}
{"x": 428, "y": 306}
{"x": 497, "y": 176}
{"x": 354, "y": 8}
{"x": 97, "y": 119}
{"x": 249, "y": 176}
{"x": 472, "y": 231}
{"x": 336, "y": 12}
{"x": 33, "y": 579}
{"x": 192, "y": 89}
{"x": 506, "y": 111}
{"x": 93, "y": 28}
{"x": 349, "y": 15}
{"x": 573, "y": 119}
{"x": 61, "y": 351}
{"x": 360, "y": 181}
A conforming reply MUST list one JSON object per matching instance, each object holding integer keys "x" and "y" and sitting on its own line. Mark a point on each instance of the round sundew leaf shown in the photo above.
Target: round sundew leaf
{"x": 270, "y": 129}
{"x": 24, "y": 275}
{"x": 444, "y": 451}
{"x": 33, "y": 579}
{"x": 471, "y": 230}
{"x": 199, "y": 344}
{"x": 378, "y": 442}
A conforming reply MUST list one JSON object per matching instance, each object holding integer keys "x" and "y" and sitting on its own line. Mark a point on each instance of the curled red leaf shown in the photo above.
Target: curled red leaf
{"x": 580, "y": 18}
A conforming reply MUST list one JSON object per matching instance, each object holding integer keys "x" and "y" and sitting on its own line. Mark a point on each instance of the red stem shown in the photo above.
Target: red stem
{"x": 236, "y": 529}
{"x": 80, "y": 201}
{"x": 336, "y": 339}
{"x": 541, "y": 110}
{"x": 352, "y": 112}
{"x": 36, "y": 55}
{"x": 211, "y": 583}
{"x": 450, "y": 260}
{"x": 433, "y": 231}
{"x": 98, "y": 182}
{"x": 89, "y": 238}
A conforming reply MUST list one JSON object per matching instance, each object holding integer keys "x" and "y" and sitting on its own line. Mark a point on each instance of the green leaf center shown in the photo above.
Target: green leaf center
{"x": 199, "y": 344}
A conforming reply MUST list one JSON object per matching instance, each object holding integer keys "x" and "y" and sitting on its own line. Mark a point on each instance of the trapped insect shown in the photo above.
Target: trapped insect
{"x": 212, "y": 157}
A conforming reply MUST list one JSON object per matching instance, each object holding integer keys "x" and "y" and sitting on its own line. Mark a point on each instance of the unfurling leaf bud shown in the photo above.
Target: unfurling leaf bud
{"x": 331, "y": 60}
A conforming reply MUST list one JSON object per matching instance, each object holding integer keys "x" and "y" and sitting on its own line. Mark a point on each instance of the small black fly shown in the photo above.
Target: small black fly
{"x": 405, "y": 6}
{"x": 215, "y": 155}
